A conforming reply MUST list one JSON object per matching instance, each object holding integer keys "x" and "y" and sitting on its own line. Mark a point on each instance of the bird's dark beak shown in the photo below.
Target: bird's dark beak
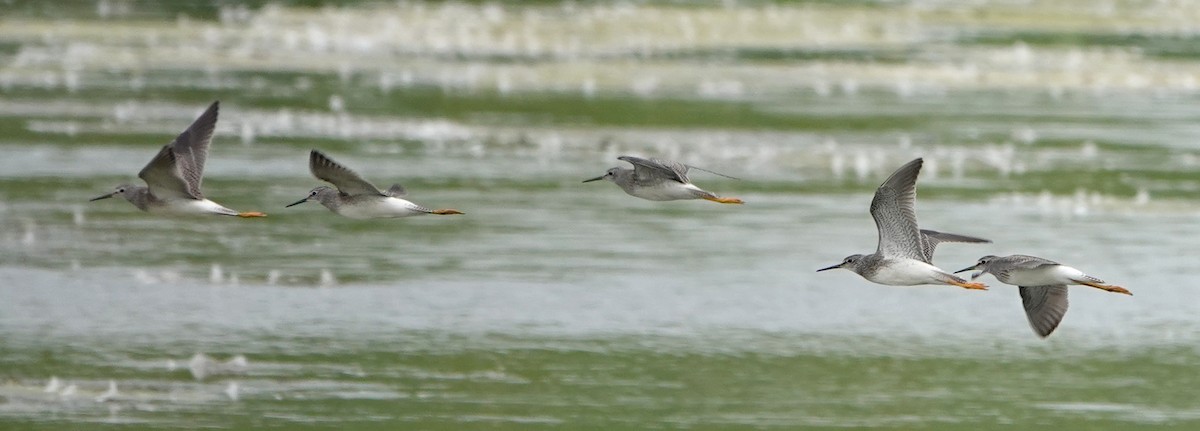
{"x": 297, "y": 203}
{"x": 831, "y": 267}
{"x": 102, "y": 197}
{"x": 594, "y": 179}
{"x": 966, "y": 269}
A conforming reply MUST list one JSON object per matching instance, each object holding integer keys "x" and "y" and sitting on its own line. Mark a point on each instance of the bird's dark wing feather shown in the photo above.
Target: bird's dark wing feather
{"x": 191, "y": 149}
{"x": 895, "y": 216}
{"x": 649, "y": 170}
{"x": 347, "y": 181}
{"x": 1045, "y": 306}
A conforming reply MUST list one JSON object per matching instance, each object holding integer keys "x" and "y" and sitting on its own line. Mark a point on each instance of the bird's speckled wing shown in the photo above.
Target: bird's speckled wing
{"x": 648, "y": 171}
{"x": 1045, "y": 306}
{"x": 892, "y": 209}
{"x": 931, "y": 239}
{"x": 164, "y": 179}
{"x": 343, "y": 178}
{"x": 191, "y": 149}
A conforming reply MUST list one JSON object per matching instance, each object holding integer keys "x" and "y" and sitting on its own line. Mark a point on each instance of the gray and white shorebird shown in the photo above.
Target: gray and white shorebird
{"x": 905, "y": 253}
{"x": 1042, "y": 283}
{"x": 660, "y": 180}
{"x": 174, "y": 175}
{"x": 356, "y": 197}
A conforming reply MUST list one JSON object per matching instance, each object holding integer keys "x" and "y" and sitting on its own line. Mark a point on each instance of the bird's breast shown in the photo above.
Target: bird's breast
{"x": 903, "y": 272}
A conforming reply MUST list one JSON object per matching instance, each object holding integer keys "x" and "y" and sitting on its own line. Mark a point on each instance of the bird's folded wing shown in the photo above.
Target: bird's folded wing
{"x": 657, "y": 170}
{"x": 1021, "y": 261}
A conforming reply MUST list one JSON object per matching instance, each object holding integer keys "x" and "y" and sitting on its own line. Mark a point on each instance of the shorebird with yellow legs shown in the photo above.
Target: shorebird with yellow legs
{"x": 905, "y": 253}
{"x": 174, "y": 175}
{"x": 1043, "y": 286}
{"x": 660, "y": 180}
{"x": 357, "y": 198}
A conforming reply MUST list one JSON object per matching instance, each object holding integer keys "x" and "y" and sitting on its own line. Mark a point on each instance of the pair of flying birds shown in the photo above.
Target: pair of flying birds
{"x": 174, "y": 175}
{"x": 903, "y": 258}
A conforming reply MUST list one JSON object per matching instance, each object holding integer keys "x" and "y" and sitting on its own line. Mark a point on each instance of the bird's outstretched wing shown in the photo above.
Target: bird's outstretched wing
{"x": 892, "y": 209}
{"x": 1045, "y": 306}
{"x": 347, "y": 181}
{"x": 191, "y": 149}
{"x": 931, "y": 239}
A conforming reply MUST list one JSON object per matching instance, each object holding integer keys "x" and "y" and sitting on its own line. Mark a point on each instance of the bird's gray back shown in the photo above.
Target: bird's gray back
{"x": 1021, "y": 261}
{"x": 654, "y": 171}
{"x": 895, "y": 217}
{"x": 1003, "y": 267}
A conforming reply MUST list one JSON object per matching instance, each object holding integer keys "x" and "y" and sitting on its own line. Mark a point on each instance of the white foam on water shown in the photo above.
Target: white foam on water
{"x": 326, "y": 278}
{"x": 109, "y": 394}
{"x": 53, "y": 385}
{"x": 215, "y": 274}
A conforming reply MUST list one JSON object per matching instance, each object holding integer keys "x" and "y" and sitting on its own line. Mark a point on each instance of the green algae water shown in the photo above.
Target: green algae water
{"x": 1060, "y": 129}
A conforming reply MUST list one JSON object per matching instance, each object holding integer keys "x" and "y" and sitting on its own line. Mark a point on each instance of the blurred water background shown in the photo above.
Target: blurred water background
{"x": 1063, "y": 129}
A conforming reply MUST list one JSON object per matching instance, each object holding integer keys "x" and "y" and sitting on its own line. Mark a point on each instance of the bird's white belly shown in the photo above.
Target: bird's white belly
{"x": 1050, "y": 274}
{"x": 190, "y": 207}
{"x": 906, "y": 272}
{"x": 668, "y": 191}
{"x": 385, "y": 208}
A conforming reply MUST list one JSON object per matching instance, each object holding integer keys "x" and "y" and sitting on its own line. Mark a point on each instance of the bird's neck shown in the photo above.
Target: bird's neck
{"x": 141, "y": 197}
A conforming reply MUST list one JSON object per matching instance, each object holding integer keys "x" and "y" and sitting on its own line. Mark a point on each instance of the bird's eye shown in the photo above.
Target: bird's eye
{"x": 313, "y": 193}
{"x": 121, "y": 190}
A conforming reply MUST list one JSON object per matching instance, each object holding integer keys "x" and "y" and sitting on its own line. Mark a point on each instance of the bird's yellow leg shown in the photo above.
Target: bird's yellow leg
{"x": 251, "y": 214}
{"x": 446, "y": 212}
{"x": 968, "y": 285}
{"x": 1110, "y": 288}
{"x": 725, "y": 200}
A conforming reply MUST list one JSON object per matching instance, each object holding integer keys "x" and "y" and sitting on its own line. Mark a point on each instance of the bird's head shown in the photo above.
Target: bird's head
{"x": 611, "y": 175}
{"x": 316, "y": 194}
{"x": 850, "y": 262}
{"x": 982, "y": 265}
{"x": 126, "y": 191}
